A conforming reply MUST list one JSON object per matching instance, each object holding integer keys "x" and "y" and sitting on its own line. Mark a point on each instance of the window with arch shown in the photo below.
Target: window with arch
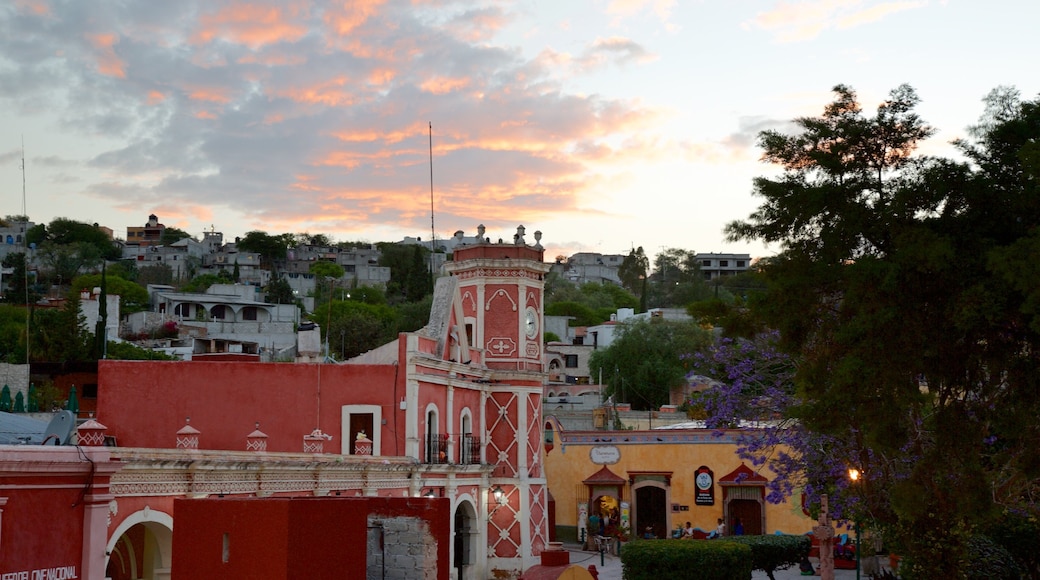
{"x": 469, "y": 444}
{"x": 436, "y": 442}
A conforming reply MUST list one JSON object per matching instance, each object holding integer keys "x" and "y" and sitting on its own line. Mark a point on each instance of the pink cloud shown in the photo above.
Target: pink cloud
{"x": 37, "y": 7}
{"x": 108, "y": 63}
{"x": 344, "y": 17}
{"x": 794, "y": 22}
{"x": 252, "y": 25}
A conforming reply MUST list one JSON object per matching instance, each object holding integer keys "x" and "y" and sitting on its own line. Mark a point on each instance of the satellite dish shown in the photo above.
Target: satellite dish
{"x": 59, "y": 430}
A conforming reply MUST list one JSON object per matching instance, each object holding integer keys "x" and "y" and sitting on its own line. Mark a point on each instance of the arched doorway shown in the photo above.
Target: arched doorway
{"x": 464, "y": 541}
{"x": 650, "y": 511}
{"x": 743, "y": 496}
{"x": 141, "y": 548}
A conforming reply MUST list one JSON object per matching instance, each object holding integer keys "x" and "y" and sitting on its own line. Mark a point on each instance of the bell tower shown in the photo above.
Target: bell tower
{"x": 501, "y": 288}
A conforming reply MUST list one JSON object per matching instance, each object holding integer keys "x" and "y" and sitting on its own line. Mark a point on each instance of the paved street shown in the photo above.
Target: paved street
{"x": 611, "y": 567}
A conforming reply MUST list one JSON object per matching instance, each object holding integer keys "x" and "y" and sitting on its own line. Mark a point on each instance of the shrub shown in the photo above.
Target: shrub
{"x": 770, "y": 553}
{"x": 685, "y": 560}
{"x": 988, "y": 560}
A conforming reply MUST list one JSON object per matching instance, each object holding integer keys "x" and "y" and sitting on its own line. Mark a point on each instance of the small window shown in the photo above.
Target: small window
{"x": 571, "y": 361}
{"x": 723, "y": 263}
{"x": 706, "y": 263}
{"x": 579, "y": 340}
{"x": 740, "y": 263}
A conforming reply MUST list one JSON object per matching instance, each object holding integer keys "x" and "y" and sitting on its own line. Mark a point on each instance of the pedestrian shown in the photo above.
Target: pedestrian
{"x": 738, "y": 527}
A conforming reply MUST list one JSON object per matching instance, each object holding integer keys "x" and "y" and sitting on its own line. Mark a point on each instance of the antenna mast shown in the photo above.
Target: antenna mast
{"x": 433, "y": 232}
{"x": 25, "y": 256}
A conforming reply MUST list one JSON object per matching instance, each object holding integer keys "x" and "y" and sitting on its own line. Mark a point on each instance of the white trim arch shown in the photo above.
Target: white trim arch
{"x": 160, "y": 524}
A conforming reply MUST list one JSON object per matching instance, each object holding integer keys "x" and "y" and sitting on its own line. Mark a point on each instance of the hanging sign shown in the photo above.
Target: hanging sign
{"x": 704, "y": 480}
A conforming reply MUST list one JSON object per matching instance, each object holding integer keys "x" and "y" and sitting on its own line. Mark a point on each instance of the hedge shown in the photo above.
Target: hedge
{"x": 685, "y": 560}
{"x": 776, "y": 552}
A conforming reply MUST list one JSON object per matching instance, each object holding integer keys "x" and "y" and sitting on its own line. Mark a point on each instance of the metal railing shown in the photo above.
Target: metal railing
{"x": 436, "y": 449}
{"x": 469, "y": 449}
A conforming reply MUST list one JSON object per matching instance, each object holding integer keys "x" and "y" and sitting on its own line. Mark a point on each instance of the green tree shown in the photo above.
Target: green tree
{"x": 132, "y": 296}
{"x": 59, "y": 335}
{"x": 157, "y": 273}
{"x": 634, "y": 272}
{"x": 12, "y": 334}
{"x": 67, "y": 232}
{"x": 352, "y": 328}
{"x": 171, "y": 235}
{"x": 280, "y": 292}
{"x": 17, "y": 292}
{"x": 272, "y": 249}
{"x": 591, "y": 303}
{"x": 900, "y": 291}
{"x": 324, "y": 269}
{"x": 65, "y": 261}
{"x": 647, "y": 360}
{"x": 676, "y": 280}
{"x": 130, "y": 351}
{"x": 409, "y": 271}
{"x": 202, "y": 282}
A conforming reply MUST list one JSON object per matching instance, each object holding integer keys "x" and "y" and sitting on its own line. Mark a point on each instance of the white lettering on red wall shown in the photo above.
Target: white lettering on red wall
{"x": 59, "y": 573}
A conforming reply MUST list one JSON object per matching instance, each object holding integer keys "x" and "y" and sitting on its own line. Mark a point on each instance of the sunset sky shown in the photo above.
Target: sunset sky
{"x": 604, "y": 124}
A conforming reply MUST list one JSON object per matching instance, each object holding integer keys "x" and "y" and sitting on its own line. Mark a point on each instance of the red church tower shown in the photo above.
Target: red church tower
{"x": 501, "y": 290}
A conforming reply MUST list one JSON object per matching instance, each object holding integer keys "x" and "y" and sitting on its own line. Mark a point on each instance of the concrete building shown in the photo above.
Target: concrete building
{"x": 718, "y": 265}
{"x": 231, "y": 313}
{"x": 585, "y": 267}
{"x": 149, "y": 234}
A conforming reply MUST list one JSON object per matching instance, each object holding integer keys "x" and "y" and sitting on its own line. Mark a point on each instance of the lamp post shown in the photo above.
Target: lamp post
{"x": 854, "y": 477}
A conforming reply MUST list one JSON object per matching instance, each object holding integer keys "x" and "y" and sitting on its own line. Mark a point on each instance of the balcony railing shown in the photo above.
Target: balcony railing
{"x": 469, "y": 449}
{"x": 436, "y": 448}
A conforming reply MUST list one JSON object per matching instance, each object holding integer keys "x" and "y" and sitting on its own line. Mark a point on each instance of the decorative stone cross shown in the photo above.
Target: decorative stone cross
{"x": 824, "y": 532}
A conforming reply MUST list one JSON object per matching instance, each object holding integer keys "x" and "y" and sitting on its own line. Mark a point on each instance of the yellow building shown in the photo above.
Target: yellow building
{"x": 659, "y": 479}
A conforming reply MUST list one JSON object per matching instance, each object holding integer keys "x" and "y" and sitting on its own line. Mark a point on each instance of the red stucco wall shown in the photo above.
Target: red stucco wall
{"x": 285, "y": 538}
{"x": 45, "y": 494}
{"x": 144, "y": 403}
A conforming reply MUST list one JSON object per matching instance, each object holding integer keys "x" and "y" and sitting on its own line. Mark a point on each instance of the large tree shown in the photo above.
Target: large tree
{"x": 647, "y": 360}
{"x": 898, "y": 292}
{"x": 272, "y": 249}
{"x": 676, "y": 280}
{"x": 634, "y": 272}
{"x": 132, "y": 296}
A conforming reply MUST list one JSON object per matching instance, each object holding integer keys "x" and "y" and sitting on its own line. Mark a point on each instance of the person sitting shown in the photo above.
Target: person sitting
{"x": 648, "y": 533}
{"x": 719, "y": 531}
{"x": 687, "y": 532}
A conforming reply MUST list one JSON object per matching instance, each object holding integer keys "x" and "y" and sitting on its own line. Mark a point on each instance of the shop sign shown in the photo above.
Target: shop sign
{"x": 604, "y": 455}
{"x": 704, "y": 485}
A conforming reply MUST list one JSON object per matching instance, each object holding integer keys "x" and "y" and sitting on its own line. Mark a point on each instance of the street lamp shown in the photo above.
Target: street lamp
{"x": 854, "y": 478}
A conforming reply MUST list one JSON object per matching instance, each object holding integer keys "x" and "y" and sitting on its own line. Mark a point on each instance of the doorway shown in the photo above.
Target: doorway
{"x": 650, "y": 512}
{"x": 749, "y": 512}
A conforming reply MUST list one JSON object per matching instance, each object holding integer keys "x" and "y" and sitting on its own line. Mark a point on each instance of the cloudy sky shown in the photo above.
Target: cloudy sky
{"x": 603, "y": 123}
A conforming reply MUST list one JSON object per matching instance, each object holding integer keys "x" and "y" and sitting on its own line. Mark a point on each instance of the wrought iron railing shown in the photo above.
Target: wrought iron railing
{"x": 436, "y": 448}
{"x": 469, "y": 449}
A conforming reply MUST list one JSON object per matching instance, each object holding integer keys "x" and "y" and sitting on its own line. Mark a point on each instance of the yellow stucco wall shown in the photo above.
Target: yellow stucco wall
{"x": 680, "y": 452}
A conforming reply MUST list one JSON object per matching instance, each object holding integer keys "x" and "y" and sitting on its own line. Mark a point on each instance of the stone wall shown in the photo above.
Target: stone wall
{"x": 400, "y": 548}
{"x": 16, "y": 377}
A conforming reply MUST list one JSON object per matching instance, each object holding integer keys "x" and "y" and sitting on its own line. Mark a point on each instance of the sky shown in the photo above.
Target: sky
{"x": 604, "y": 124}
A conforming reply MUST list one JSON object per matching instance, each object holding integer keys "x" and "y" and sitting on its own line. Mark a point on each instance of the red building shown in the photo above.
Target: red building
{"x": 450, "y": 411}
